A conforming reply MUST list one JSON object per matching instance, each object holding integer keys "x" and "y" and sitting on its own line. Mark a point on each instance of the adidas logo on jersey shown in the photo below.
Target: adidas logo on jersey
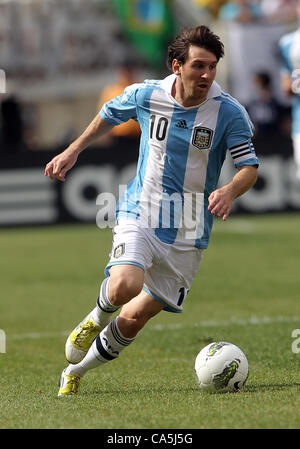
{"x": 181, "y": 124}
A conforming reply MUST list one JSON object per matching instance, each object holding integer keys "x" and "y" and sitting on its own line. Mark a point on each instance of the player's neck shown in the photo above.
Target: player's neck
{"x": 182, "y": 96}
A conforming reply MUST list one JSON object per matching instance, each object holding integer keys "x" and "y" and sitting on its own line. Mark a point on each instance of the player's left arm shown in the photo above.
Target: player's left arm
{"x": 285, "y": 69}
{"x": 238, "y": 141}
{"x": 220, "y": 200}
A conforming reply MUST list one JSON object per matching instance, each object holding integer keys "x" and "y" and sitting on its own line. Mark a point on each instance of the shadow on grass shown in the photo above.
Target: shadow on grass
{"x": 140, "y": 390}
{"x": 136, "y": 390}
{"x": 269, "y": 387}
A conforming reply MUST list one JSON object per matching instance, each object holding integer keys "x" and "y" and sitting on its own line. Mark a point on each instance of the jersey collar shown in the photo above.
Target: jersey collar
{"x": 167, "y": 83}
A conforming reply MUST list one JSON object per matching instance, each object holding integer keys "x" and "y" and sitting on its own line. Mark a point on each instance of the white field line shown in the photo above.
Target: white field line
{"x": 175, "y": 326}
{"x": 239, "y": 226}
{"x": 232, "y": 322}
{"x": 37, "y": 335}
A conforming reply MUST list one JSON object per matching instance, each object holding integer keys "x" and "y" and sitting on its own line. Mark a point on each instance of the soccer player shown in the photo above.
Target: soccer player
{"x": 164, "y": 217}
{"x": 289, "y": 46}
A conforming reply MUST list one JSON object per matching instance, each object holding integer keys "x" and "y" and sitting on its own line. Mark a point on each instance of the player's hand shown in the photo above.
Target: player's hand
{"x": 220, "y": 202}
{"x": 60, "y": 165}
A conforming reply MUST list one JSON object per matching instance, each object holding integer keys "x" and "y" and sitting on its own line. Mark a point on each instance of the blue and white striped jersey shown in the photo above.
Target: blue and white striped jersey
{"x": 289, "y": 46}
{"x": 182, "y": 150}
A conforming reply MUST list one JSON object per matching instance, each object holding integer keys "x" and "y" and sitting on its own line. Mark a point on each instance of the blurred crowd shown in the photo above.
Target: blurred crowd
{"x": 40, "y": 42}
{"x": 250, "y": 10}
{"x": 38, "y": 39}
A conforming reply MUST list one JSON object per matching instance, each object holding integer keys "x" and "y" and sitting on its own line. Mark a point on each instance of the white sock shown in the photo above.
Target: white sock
{"x": 102, "y": 313}
{"x": 107, "y": 346}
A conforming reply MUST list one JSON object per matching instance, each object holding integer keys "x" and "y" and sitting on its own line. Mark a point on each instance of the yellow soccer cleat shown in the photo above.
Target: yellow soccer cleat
{"x": 81, "y": 339}
{"x": 68, "y": 384}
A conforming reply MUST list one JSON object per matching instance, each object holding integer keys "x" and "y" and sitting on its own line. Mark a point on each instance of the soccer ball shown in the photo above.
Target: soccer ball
{"x": 221, "y": 367}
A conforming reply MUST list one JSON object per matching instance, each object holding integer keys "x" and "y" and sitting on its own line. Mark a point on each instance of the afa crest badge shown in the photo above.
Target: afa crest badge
{"x": 119, "y": 250}
{"x": 202, "y": 137}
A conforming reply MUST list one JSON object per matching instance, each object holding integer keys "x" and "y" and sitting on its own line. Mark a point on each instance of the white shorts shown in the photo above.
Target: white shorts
{"x": 169, "y": 270}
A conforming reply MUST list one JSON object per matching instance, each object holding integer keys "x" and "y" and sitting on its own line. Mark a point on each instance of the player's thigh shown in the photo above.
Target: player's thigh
{"x": 130, "y": 256}
{"x": 130, "y": 246}
{"x": 126, "y": 282}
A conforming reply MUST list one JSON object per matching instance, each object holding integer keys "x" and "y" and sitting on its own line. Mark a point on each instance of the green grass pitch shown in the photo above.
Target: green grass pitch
{"x": 247, "y": 292}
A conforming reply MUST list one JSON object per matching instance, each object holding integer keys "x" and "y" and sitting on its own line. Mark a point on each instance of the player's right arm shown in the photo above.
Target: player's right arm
{"x": 61, "y": 164}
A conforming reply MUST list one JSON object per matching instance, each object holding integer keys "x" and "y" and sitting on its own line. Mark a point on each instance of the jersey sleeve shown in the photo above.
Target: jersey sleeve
{"x": 284, "y": 48}
{"x": 122, "y": 108}
{"x": 238, "y": 139}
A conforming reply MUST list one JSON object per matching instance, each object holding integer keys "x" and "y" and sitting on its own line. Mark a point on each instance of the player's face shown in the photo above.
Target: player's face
{"x": 197, "y": 73}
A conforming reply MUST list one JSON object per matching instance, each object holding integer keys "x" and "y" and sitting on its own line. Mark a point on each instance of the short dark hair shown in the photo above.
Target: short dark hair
{"x": 201, "y": 36}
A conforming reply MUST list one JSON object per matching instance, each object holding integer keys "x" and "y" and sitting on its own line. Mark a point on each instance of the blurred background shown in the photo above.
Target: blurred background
{"x": 62, "y": 60}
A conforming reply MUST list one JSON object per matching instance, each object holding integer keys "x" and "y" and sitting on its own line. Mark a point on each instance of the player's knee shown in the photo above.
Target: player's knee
{"x": 122, "y": 289}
